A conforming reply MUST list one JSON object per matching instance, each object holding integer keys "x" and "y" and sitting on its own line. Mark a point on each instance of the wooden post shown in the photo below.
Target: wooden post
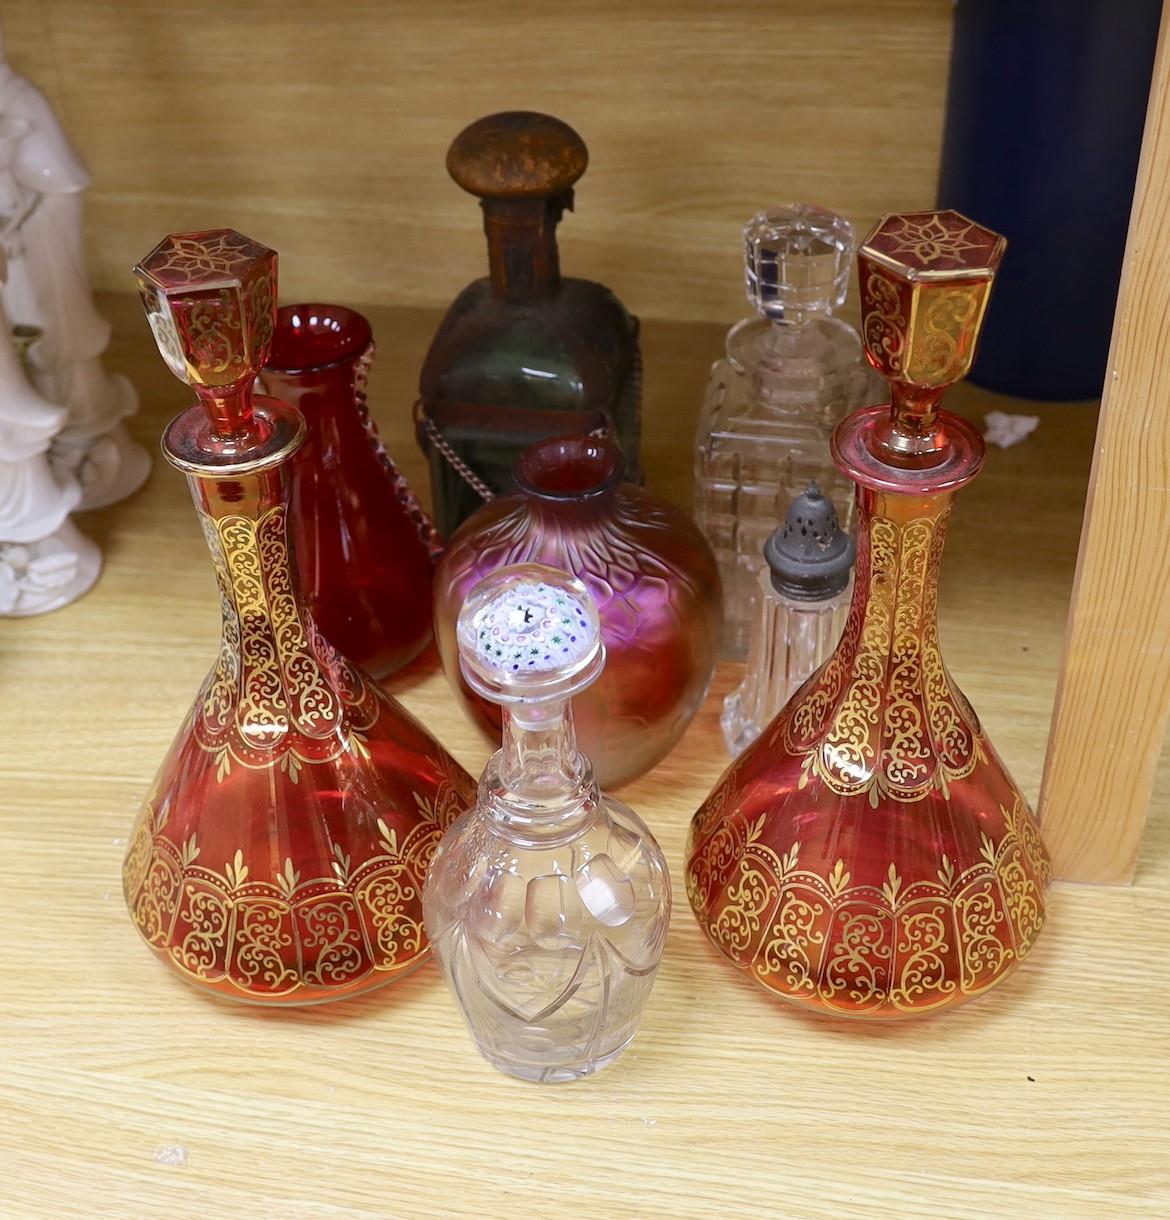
{"x": 1114, "y": 692}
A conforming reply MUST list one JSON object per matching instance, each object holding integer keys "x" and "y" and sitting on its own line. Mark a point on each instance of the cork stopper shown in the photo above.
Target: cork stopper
{"x": 517, "y": 154}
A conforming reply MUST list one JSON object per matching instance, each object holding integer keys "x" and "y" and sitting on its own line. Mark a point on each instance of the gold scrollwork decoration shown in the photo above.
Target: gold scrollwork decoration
{"x": 871, "y": 949}
{"x": 883, "y": 716}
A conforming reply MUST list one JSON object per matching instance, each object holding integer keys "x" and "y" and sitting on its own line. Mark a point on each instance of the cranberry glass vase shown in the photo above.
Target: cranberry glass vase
{"x": 281, "y": 853}
{"x": 364, "y": 545}
{"x": 650, "y": 571}
{"x": 870, "y": 855}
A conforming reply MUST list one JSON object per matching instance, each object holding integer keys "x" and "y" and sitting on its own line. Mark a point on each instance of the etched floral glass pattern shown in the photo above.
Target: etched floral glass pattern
{"x": 789, "y": 375}
{"x": 548, "y": 902}
{"x": 646, "y": 566}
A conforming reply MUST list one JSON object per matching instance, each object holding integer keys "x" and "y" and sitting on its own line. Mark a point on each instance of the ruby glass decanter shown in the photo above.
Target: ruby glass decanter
{"x": 646, "y": 566}
{"x": 789, "y": 375}
{"x": 869, "y": 855}
{"x": 280, "y": 855}
{"x": 548, "y": 902}
{"x": 365, "y": 548}
{"x": 800, "y": 609}
{"x": 525, "y": 353}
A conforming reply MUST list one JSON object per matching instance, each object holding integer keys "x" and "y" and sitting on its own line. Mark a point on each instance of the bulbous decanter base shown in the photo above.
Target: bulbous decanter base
{"x": 281, "y": 855}
{"x": 869, "y": 855}
{"x": 550, "y": 945}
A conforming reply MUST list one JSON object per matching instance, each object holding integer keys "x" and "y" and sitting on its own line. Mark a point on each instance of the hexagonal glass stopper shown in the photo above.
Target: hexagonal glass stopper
{"x": 210, "y": 299}
{"x": 924, "y": 280}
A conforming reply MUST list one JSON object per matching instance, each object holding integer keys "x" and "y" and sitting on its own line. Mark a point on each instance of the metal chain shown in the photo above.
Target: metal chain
{"x": 435, "y": 437}
{"x": 429, "y": 535}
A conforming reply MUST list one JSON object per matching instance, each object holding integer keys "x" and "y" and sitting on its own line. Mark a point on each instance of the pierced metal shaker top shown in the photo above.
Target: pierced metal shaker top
{"x": 810, "y": 556}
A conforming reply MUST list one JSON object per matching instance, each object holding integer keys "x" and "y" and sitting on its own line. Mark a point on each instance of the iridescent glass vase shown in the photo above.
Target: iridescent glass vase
{"x": 870, "y": 855}
{"x": 650, "y": 571}
{"x": 280, "y": 855}
{"x": 365, "y": 547}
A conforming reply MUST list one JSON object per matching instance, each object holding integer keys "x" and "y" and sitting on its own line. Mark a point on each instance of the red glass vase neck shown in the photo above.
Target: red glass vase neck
{"x": 359, "y": 534}
{"x": 571, "y": 478}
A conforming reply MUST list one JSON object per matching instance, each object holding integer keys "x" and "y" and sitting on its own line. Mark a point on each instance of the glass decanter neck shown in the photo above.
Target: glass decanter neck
{"x": 523, "y": 260}
{"x": 538, "y": 787}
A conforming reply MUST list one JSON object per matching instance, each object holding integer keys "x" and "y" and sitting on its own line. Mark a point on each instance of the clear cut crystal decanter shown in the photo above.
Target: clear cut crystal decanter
{"x": 788, "y": 377}
{"x": 548, "y": 902}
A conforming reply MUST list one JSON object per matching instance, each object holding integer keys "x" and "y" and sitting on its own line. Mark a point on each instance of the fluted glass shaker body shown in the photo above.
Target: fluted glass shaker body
{"x": 548, "y": 902}
{"x": 790, "y": 374}
{"x": 280, "y": 855}
{"x": 869, "y": 854}
{"x": 365, "y": 547}
{"x": 801, "y": 604}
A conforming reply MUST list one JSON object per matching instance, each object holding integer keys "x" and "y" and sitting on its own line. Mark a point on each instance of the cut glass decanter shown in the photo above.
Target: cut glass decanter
{"x": 789, "y": 376}
{"x": 548, "y": 902}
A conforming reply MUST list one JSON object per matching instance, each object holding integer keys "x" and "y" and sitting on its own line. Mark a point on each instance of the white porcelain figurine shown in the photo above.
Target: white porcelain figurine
{"x": 48, "y": 288}
{"x": 45, "y": 561}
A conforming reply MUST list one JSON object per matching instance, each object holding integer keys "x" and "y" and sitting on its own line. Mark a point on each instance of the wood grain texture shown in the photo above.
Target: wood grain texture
{"x": 322, "y": 129}
{"x": 1049, "y": 1098}
{"x": 1110, "y": 717}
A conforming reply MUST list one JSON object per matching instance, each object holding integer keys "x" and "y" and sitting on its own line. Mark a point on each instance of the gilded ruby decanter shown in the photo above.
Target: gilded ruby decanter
{"x": 281, "y": 853}
{"x": 365, "y": 548}
{"x": 870, "y": 855}
{"x": 548, "y": 903}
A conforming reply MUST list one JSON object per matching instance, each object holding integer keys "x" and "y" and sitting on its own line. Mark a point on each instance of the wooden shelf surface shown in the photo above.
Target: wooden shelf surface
{"x": 1049, "y": 1097}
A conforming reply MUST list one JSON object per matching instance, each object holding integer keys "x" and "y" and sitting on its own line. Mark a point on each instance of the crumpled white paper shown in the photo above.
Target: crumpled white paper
{"x": 1006, "y": 430}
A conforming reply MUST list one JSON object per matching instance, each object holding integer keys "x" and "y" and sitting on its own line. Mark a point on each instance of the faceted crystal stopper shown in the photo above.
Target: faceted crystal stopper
{"x": 796, "y": 261}
{"x": 529, "y": 633}
{"x": 210, "y": 299}
{"x": 810, "y": 556}
{"x": 518, "y": 154}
